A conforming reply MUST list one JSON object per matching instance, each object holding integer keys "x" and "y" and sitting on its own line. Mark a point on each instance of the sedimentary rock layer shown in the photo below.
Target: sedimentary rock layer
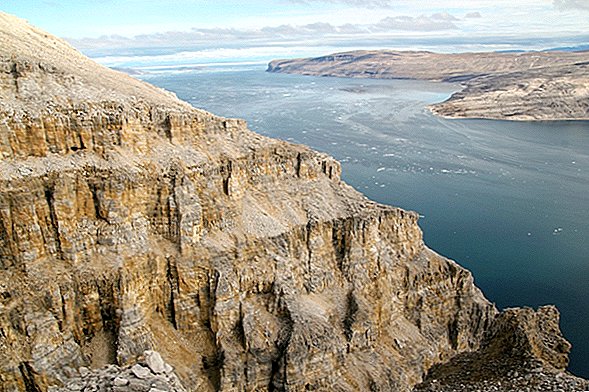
{"x": 511, "y": 86}
{"x": 131, "y": 222}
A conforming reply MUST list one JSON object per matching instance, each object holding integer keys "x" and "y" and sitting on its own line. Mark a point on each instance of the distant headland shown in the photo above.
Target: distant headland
{"x": 523, "y": 86}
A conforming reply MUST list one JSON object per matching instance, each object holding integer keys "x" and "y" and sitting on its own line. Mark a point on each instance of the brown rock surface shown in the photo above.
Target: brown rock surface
{"x": 130, "y": 221}
{"x": 509, "y": 86}
{"x": 522, "y": 351}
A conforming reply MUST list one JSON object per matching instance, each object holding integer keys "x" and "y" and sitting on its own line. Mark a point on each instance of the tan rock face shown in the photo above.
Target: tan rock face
{"x": 522, "y": 350}
{"x": 137, "y": 225}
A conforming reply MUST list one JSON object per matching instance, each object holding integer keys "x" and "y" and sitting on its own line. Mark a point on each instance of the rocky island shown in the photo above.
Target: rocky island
{"x": 146, "y": 245}
{"x": 506, "y": 86}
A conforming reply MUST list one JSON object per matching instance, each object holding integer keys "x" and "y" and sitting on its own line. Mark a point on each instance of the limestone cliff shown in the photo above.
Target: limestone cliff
{"x": 130, "y": 221}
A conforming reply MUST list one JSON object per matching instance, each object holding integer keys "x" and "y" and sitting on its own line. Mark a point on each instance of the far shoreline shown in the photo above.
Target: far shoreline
{"x": 522, "y": 86}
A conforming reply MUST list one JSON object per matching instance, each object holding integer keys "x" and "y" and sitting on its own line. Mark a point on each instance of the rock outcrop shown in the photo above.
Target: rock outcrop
{"x": 132, "y": 222}
{"x": 522, "y": 351}
{"x": 150, "y": 374}
{"x": 508, "y": 86}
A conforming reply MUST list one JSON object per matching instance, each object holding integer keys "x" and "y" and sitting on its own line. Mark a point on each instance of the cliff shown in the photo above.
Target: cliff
{"x": 507, "y": 86}
{"x": 147, "y": 245}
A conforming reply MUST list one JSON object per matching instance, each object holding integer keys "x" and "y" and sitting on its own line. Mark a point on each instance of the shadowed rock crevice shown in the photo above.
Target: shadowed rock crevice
{"x": 96, "y": 203}
{"x": 278, "y": 372}
{"x": 213, "y": 366}
{"x": 173, "y": 287}
{"x": 49, "y": 196}
{"x": 111, "y": 321}
{"x": 29, "y": 380}
{"x": 351, "y": 310}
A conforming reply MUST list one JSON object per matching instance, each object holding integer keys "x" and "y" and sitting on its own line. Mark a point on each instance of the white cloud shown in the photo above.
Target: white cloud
{"x": 530, "y": 25}
{"x": 572, "y": 4}
{"x": 473, "y": 15}
{"x": 420, "y": 23}
{"x": 289, "y": 30}
{"x": 355, "y": 3}
{"x": 214, "y": 36}
{"x": 444, "y": 16}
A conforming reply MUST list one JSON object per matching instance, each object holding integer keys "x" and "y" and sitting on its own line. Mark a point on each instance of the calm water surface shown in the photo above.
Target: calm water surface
{"x": 507, "y": 200}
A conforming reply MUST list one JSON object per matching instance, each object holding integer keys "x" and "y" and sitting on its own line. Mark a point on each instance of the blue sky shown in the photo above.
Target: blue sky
{"x": 255, "y": 29}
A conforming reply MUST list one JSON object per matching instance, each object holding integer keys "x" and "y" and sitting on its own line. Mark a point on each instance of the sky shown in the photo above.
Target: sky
{"x": 186, "y": 31}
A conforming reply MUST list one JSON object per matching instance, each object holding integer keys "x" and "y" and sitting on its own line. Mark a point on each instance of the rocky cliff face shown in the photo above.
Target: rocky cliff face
{"x": 130, "y": 221}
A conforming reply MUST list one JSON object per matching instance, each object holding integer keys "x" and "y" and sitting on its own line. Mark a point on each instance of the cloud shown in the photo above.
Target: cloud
{"x": 435, "y": 22}
{"x": 572, "y": 4}
{"x": 289, "y": 30}
{"x": 444, "y": 16}
{"x": 355, "y": 3}
{"x": 473, "y": 15}
{"x": 209, "y": 37}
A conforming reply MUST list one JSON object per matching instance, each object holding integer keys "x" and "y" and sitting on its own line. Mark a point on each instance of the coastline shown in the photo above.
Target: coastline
{"x": 546, "y": 86}
{"x": 432, "y": 109}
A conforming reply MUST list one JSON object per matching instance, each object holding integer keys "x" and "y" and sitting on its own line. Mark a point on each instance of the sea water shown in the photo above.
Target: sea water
{"x": 507, "y": 200}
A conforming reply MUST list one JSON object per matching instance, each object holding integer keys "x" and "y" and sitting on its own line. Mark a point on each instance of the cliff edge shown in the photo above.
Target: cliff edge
{"x": 147, "y": 245}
